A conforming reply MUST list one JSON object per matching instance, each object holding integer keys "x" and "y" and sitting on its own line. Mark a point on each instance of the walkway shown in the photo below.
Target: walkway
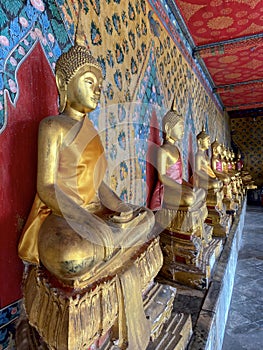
{"x": 244, "y": 328}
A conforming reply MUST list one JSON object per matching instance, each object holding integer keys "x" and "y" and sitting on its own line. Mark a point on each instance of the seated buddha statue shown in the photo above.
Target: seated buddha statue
{"x": 204, "y": 176}
{"x": 78, "y": 228}
{"x": 246, "y": 177}
{"x": 180, "y": 211}
{"x": 217, "y": 162}
{"x": 175, "y": 191}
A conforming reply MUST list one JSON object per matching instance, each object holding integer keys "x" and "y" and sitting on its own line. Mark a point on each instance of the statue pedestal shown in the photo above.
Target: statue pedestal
{"x": 67, "y": 318}
{"x": 217, "y": 216}
{"x": 220, "y": 222}
{"x": 195, "y": 273}
{"x": 231, "y": 206}
{"x": 188, "y": 247}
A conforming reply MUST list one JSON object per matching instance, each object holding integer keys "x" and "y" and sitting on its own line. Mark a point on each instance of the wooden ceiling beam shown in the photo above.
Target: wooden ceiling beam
{"x": 245, "y": 113}
{"x": 223, "y": 47}
{"x": 244, "y": 106}
{"x": 234, "y": 87}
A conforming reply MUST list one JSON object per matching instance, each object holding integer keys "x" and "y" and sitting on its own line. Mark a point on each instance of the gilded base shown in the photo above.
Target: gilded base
{"x": 59, "y": 313}
{"x": 220, "y": 221}
{"x": 231, "y": 206}
{"x": 195, "y": 276}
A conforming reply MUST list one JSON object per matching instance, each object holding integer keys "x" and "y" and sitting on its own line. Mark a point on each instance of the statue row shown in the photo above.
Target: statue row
{"x": 91, "y": 260}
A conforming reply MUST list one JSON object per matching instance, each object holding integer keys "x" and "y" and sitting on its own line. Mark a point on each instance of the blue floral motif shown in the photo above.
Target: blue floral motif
{"x": 95, "y": 34}
{"x": 131, "y": 37}
{"x": 109, "y": 58}
{"x": 122, "y": 139}
{"x": 143, "y": 28}
{"x": 112, "y": 120}
{"x": 143, "y": 46}
{"x": 96, "y": 6}
{"x": 138, "y": 31}
{"x": 118, "y": 79}
{"x": 128, "y": 76}
{"x": 134, "y": 68}
{"x": 131, "y": 12}
{"x": 137, "y": 6}
{"x": 127, "y": 95}
{"x": 109, "y": 91}
{"x": 113, "y": 152}
{"x": 123, "y": 170}
{"x": 117, "y": 23}
{"x": 139, "y": 55}
{"x": 102, "y": 63}
{"x": 108, "y": 25}
{"x": 119, "y": 54}
{"x": 121, "y": 113}
{"x": 124, "y": 18}
{"x": 143, "y": 6}
{"x": 125, "y": 46}
{"x": 124, "y": 195}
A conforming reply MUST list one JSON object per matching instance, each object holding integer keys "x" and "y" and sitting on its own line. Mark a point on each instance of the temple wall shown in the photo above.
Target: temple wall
{"x": 246, "y": 135}
{"x": 146, "y": 64}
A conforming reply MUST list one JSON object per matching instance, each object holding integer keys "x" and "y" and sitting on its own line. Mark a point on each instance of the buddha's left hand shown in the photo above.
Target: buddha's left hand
{"x": 125, "y": 213}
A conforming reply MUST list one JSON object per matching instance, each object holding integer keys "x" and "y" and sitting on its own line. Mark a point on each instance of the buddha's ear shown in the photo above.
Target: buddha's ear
{"x": 62, "y": 90}
{"x": 167, "y": 129}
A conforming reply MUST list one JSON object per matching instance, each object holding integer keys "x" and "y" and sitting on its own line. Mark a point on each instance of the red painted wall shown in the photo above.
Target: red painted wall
{"x": 18, "y": 163}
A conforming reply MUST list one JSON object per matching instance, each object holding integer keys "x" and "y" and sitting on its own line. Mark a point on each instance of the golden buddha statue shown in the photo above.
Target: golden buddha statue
{"x": 79, "y": 233}
{"x": 204, "y": 176}
{"x": 182, "y": 213}
{"x": 246, "y": 177}
{"x": 220, "y": 168}
{"x": 176, "y": 191}
{"x": 218, "y": 164}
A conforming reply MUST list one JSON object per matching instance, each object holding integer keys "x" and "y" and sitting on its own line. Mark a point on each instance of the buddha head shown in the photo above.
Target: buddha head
{"x": 173, "y": 125}
{"x": 203, "y": 139}
{"x": 216, "y": 148}
{"x": 224, "y": 152}
{"x": 79, "y": 79}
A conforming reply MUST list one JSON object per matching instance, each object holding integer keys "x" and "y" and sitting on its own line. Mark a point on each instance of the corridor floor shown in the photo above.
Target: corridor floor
{"x": 244, "y": 328}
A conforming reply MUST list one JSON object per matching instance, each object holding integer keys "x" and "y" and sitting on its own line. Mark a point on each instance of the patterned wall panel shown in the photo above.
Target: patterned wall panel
{"x": 144, "y": 70}
{"x": 132, "y": 44}
{"x": 247, "y": 138}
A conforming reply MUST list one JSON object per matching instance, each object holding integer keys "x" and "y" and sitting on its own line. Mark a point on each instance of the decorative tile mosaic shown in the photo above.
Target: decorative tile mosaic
{"x": 8, "y": 316}
{"x": 145, "y": 62}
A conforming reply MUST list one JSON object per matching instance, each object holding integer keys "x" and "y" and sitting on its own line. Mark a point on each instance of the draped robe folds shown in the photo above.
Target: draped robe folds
{"x": 82, "y": 165}
{"x": 206, "y": 168}
{"x": 219, "y": 166}
{"x": 174, "y": 172}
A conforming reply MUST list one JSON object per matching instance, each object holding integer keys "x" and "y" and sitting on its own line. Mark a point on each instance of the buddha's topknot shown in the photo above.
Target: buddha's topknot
{"x": 202, "y": 135}
{"x": 172, "y": 118}
{"x": 76, "y": 57}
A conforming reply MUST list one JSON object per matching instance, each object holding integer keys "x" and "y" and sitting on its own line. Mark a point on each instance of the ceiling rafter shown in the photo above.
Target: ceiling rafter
{"x": 222, "y": 47}
{"x": 235, "y": 86}
{"x": 245, "y": 106}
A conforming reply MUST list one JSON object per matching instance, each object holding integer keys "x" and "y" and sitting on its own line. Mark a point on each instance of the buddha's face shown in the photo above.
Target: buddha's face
{"x": 216, "y": 150}
{"x": 205, "y": 142}
{"x": 84, "y": 89}
{"x": 177, "y": 131}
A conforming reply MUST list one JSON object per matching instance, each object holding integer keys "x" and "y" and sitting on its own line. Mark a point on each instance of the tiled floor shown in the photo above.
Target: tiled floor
{"x": 244, "y": 328}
